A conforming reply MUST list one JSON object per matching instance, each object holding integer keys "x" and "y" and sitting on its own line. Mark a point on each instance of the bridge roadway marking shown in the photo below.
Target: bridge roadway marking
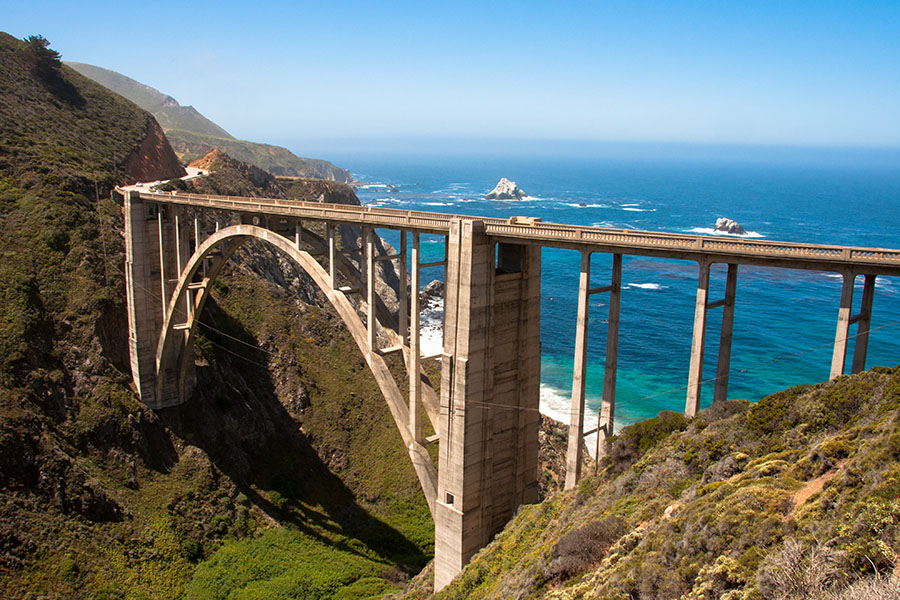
{"x": 764, "y": 253}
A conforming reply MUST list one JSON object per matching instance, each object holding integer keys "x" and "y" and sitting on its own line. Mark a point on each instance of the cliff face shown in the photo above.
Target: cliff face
{"x": 154, "y": 158}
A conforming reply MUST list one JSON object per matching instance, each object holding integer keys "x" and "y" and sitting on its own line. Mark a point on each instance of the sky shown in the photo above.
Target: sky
{"x": 775, "y": 73}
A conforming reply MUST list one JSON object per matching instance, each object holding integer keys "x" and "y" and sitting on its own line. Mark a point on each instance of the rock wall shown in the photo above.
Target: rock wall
{"x": 154, "y": 158}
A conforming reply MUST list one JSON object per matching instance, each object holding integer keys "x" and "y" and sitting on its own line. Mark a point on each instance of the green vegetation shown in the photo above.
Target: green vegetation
{"x": 103, "y": 498}
{"x": 794, "y": 497}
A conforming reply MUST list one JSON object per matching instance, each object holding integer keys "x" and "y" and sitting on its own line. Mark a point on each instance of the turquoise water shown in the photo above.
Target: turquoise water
{"x": 784, "y": 319}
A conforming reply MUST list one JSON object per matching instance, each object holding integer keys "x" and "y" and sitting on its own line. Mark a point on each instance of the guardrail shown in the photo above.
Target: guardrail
{"x": 537, "y": 231}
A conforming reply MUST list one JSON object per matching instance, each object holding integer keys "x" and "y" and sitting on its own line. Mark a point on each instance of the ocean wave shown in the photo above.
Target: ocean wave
{"x": 633, "y": 209}
{"x": 556, "y": 405}
{"x": 881, "y": 283}
{"x": 438, "y": 203}
{"x": 712, "y": 231}
{"x": 611, "y": 225}
{"x": 581, "y": 205}
{"x": 645, "y": 286}
{"x": 431, "y": 327}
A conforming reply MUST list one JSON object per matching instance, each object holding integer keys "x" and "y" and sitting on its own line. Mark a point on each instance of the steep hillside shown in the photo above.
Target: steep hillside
{"x": 103, "y": 498}
{"x": 192, "y": 135}
{"x": 168, "y": 112}
{"x": 795, "y": 497}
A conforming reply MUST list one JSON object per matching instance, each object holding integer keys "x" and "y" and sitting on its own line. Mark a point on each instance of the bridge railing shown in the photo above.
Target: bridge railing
{"x": 538, "y": 231}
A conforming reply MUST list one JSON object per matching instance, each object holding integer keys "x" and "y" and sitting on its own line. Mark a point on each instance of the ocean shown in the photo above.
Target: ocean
{"x": 785, "y": 320}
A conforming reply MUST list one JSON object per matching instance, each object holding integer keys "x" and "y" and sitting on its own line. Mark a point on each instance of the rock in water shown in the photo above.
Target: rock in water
{"x": 726, "y": 225}
{"x": 506, "y": 190}
{"x": 435, "y": 289}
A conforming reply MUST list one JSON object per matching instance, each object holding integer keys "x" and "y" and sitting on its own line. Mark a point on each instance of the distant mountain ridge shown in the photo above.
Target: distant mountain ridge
{"x": 192, "y": 135}
{"x": 168, "y": 112}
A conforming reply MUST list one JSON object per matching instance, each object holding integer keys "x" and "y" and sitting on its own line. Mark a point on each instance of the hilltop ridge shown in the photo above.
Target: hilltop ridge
{"x": 168, "y": 112}
{"x": 192, "y": 135}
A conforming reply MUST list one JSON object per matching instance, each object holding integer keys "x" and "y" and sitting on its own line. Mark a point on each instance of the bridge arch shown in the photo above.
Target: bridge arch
{"x": 173, "y": 350}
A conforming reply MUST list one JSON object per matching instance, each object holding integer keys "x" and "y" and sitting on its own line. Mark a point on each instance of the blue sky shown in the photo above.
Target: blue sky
{"x": 793, "y": 73}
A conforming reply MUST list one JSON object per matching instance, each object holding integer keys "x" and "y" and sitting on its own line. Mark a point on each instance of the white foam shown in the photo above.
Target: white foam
{"x": 431, "y": 332}
{"x": 556, "y": 405}
{"x": 646, "y": 286}
{"x": 881, "y": 283}
{"x": 438, "y": 204}
{"x": 632, "y": 209}
{"x": 574, "y": 205}
{"x": 624, "y": 205}
{"x": 711, "y": 231}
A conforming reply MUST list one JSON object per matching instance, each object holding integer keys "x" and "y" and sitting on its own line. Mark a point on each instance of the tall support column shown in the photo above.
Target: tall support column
{"x": 489, "y": 393}
{"x": 723, "y": 365}
{"x": 695, "y": 374}
{"x": 839, "y": 356}
{"x": 576, "y": 418}
{"x": 402, "y": 295}
{"x": 369, "y": 237}
{"x": 197, "y": 240}
{"x": 182, "y": 254}
{"x": 415, "y": 381}
{"x": 606, "y": 424}
{"x": 332, "y": 254}
{"x": 863, "y": 324}
{"x": 163, "y": 293}
{"x": 298, "y": 233}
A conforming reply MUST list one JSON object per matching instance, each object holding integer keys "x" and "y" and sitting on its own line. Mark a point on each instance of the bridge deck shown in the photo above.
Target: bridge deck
{"x": 623, "y": 241}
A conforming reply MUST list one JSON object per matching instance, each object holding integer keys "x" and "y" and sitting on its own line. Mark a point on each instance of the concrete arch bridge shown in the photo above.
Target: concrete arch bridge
{"x": 486, "y": 410}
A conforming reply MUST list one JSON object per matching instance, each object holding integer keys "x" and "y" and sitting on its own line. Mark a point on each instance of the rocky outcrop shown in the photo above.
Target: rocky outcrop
{"x": 726, "y": 225}
{"x": 433, "y": 290}
{"x": 154, "y": 159}
{"x": 506, "y": 190}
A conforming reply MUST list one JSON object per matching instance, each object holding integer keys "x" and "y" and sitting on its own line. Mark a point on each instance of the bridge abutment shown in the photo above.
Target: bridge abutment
{"x": 489, "y": 395}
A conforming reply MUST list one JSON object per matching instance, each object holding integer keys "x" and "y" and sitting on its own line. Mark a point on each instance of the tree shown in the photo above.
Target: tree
{"x": 42, "y": 54}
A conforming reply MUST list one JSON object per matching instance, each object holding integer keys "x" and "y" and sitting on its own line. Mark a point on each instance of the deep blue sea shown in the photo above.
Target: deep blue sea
{"x": 784, "y": 319}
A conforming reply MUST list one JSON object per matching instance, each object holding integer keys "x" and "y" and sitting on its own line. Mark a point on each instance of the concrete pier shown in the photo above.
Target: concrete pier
{"x": 489, "y": 396}
{"x": 698, "y": 342}
{"x": 606, "y": 420}
{"x": 862, "y": 320}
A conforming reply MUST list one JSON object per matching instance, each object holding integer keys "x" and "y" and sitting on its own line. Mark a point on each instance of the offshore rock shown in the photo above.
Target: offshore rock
{"x": 726, "y": 225}
{"x": 506, "y": 190}
{"x": 435, "y": 289}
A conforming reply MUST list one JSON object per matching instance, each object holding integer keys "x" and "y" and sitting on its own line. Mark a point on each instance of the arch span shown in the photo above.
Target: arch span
{"x": 175, "y": 342}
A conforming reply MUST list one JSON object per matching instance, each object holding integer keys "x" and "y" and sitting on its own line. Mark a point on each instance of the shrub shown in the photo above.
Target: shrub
{"x": 580, "y": 548}
{"x": 798, "y": 573}
{"x": 635, "y": 440}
